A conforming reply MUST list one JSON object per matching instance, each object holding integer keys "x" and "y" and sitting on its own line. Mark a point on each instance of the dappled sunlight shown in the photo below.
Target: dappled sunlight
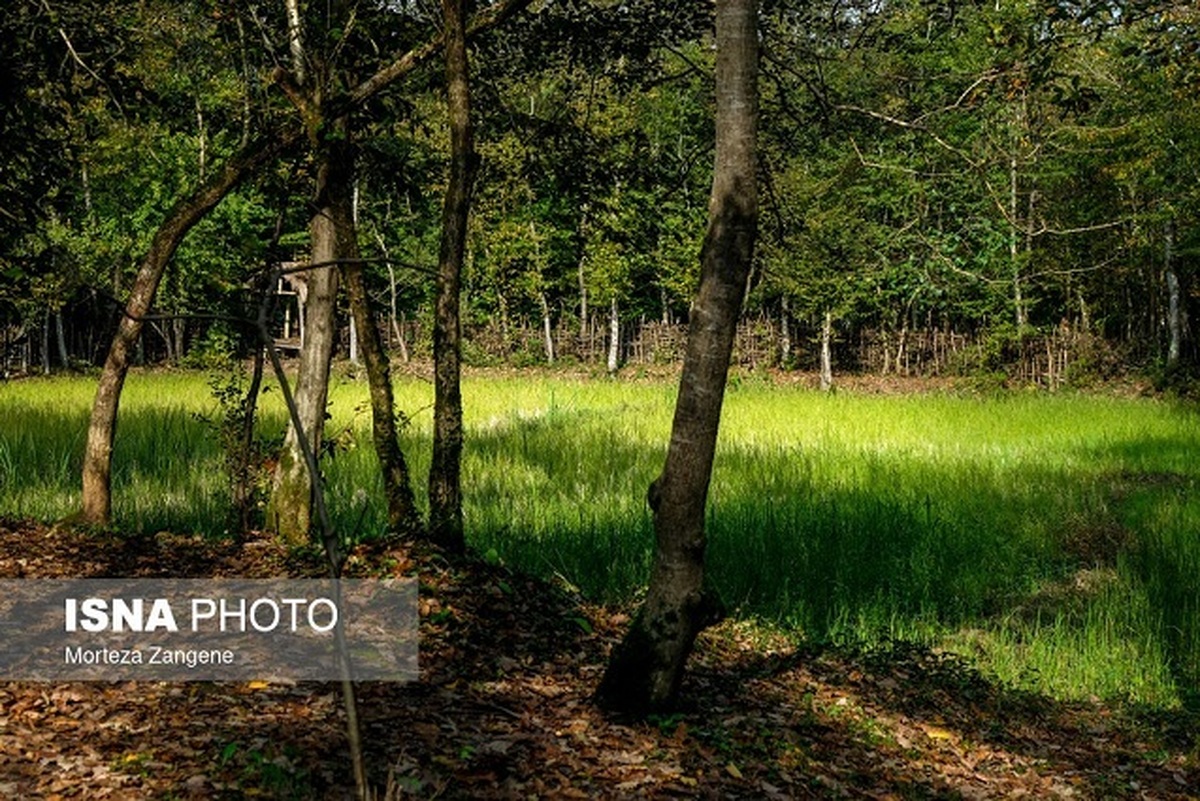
{"x": 1049, "y": 538}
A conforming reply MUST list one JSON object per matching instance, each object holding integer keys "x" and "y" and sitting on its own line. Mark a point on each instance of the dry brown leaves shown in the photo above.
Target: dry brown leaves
{"x": 502, "y": 709}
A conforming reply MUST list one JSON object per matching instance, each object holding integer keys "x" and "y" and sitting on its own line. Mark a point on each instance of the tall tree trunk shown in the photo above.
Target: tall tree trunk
{"x": 290, "y": 512}
{"x": 397, "y": 484}
{"x": 445, "y": 484}
{"x": 583, "y": 303}
{"x": 646, "y": 668}
{"x": 97, "y": 459}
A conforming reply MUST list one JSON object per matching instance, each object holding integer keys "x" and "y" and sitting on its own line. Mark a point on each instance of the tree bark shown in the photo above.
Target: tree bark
{"x": 547, "y": 328}
{"x": 785, "y": 331}
{"x": 290, "y": 513}
{"x": 614, "y": 337}
{"x": 97, "y": 460}
{"x": 397, "y": 485}
{"x": 445, "y": 485}
{"x": 46, "y": 341}
{"x": 826, "y": 355}
{"x": 1174, "y": 313}
{"x": 645, "y": 671}
{"x": 60, "y": 337}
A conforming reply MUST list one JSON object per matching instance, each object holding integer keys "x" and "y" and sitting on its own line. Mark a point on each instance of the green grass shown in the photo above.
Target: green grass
{"x": 1054, "y": 539}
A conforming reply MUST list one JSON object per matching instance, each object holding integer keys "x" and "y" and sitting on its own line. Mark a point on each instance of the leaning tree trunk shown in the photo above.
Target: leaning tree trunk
{"x": 397, "y": 486}
{"x": 290, "y": 512}
{"x": 97, "y": 459}
{"x": 445, "y": 484}
{"x": 646, "y": 668}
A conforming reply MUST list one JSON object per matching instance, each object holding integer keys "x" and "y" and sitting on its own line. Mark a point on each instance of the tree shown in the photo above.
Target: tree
{"x": 445, "y": 484}
{"x": 645, "y": 671}
{"x": 188, "y": 211}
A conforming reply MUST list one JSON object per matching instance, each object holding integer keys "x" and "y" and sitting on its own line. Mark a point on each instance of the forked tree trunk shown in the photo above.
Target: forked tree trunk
{"x": 646, "y": 668}
{"x": 290, "y": 513}
{"x": 445, "y": 488}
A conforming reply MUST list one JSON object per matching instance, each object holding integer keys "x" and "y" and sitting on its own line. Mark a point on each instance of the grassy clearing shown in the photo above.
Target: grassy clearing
{"x": 1055, "y": 539}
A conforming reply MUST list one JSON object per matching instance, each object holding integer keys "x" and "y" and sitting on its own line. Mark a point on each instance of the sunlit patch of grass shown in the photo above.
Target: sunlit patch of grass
{"x": 971, "y": 524}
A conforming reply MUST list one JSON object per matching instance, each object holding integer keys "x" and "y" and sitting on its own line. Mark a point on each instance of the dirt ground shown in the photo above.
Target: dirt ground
{"x": 502, "y": 709}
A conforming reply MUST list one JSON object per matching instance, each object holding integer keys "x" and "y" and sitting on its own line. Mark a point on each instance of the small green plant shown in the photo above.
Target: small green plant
{"x": 263, "y": 770}
{"x": 243, "y": 449}
{"x": 666, "y": 724}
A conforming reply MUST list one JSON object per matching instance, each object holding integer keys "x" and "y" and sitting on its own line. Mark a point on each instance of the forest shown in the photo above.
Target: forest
{"x": 750, "y": 398}
{"x": 946, "y": 187}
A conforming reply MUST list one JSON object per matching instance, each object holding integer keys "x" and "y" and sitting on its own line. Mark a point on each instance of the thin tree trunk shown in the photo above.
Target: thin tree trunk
{"x": 614, "y": 337}
{"x": 445, "y": 486}
{"x": 1174, "y": 313}
{"x": 397, "y": 484}
{"x": 394, "y": 326}
{"x": 202, "y": 141}
{"x": 646, "y": 668}
{"x": 400, "y": 339}
{"x": 60, "y": 337}
{"x": 583, "y": 303}
{"x": 785, "y": 333}
{"x": 178, "y": 329}
{"x": 547, "y": 328}
{"x": 46, "y": 341}
{"x": 826, "y": 355}
{"x": 295, "y": 41}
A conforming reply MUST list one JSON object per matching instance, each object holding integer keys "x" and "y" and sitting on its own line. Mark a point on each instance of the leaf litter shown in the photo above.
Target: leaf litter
{"x": 502, "y": 708}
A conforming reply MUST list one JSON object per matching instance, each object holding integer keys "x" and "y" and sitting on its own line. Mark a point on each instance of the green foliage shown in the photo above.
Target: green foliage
{"x": 216, "y": 350}
{"x": 260, "y": 768}
{"x": 244, "y": 462}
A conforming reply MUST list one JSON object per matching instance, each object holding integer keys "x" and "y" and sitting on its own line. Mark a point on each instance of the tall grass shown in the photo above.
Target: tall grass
{"x": 1055, "y": 539}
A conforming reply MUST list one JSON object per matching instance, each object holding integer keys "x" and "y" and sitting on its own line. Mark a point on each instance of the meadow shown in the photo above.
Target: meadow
{"x": 1052, "y": 539}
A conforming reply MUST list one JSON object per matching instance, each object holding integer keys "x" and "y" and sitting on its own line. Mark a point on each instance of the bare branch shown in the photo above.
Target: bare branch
{"x": 484, "y": 21}
{"x": 912, "y": 126}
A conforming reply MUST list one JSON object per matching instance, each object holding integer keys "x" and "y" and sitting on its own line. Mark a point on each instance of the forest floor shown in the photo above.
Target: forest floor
{"x": 502, "y": 710}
